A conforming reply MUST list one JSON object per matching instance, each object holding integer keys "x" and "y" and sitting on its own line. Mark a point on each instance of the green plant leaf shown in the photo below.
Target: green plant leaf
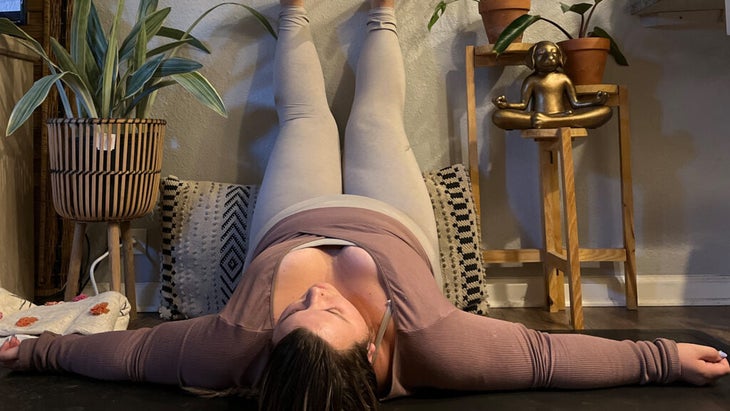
{"x": 96, "y": 39}
{"x": 140, "y": 77}
{"x": 151, "y": 25}
{"x": 614, "y": 51}
{"x": 202, "y": 90}
{"x": 438, "y": 11}
{"x": 176, "y": 34}
{"x": 145, "y": 8}
{"x": 580, "y": 8}
{"x": 140, "y": 50}
{"x": 259, "y": 17}
{"x": 167, "y": 46}
{"x": 66, "y": 62}
{"x": 138, "y": 102}
{"x": 9, "y": 28}
{"x": 37, "y": 94}
{"x": 79, "y": 50}
{"x": 84, "y": 98}
{"x": 30, "y": 101}
{"x": 514, "y": 30}
{"x": 177, "y": 65}
{"x": 262, "y": 20}
{"x": 111, "y": 65}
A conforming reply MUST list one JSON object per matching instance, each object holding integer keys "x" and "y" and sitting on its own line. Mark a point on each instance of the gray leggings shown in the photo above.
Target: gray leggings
{"x": 305, "y": 162}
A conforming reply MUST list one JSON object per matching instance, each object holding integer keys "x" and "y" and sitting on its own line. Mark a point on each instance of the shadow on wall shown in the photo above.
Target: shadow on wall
{"x": 658, "y": 159}
{"x": 456, "y": 97}
{"x": 256, "y": 119}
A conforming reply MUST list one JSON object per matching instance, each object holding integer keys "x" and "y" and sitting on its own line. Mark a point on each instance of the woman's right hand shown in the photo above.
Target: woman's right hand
{"x": 9, "y": 352}
{"x": 701, "y": 364}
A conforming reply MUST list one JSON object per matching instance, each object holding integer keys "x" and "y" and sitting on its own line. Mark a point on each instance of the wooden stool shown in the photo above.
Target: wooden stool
{"x": 115, "y": 230}
{"x": 557, "y": 182}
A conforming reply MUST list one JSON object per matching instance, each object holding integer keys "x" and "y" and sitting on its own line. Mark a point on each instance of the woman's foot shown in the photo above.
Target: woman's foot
{"x": 382, "y": 3}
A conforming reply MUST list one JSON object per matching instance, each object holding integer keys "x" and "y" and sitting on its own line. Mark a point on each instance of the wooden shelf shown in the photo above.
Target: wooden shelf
{"x": 680, "y": 14}
{"x": 514, "y": 55}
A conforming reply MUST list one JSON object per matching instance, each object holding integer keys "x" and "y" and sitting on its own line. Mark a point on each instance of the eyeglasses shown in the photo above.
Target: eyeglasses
{"x": 383, "y": 326}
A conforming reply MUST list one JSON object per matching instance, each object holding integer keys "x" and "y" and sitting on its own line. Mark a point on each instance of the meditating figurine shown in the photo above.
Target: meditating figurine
{"x": 549, "y": 99}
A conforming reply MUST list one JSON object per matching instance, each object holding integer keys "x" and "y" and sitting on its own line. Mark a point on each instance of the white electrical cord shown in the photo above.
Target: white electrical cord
{"x": 96, "y": 262}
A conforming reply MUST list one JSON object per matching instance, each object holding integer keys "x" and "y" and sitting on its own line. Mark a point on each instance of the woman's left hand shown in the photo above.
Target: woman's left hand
{"x": 701, "y": 364}
{"x": 9, "y": 352}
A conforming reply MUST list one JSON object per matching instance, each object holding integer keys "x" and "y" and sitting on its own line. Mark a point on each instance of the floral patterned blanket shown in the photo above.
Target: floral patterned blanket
{"x": 107, "y": 311}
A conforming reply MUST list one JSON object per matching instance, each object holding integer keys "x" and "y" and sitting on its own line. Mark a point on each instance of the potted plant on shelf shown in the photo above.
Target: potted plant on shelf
{"x": 106, "y": 155}
{"x": 496, "y": 14}
{"x": 586, "y": 52}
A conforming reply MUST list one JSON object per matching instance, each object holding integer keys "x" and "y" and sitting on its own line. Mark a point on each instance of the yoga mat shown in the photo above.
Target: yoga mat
{"x": 43, "y": 392}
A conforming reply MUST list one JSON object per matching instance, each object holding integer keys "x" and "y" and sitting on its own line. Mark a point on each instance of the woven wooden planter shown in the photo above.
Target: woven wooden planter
{"x": 105, "y": 169}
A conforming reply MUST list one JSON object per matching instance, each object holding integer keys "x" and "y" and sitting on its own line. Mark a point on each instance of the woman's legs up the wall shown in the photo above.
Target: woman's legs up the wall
{"x": 379, "y": 161}
{"x": 305, "y": 160}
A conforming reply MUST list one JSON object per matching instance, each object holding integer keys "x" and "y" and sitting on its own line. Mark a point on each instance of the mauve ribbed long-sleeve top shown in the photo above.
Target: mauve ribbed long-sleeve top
{"x": 437, "y": 345}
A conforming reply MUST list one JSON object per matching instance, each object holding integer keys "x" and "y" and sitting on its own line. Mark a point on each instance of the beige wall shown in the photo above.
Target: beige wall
{"x": 678, "y": 82}
{"x": 16, "y": 175}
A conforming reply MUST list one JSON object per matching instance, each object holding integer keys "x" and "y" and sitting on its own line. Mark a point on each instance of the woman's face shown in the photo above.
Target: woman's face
{"x": 325, "y": 312}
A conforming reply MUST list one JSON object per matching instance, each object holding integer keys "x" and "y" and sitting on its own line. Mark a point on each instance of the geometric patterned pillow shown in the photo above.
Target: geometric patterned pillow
{"x": 462, "y": 266}
{"x": 204, "y": 241}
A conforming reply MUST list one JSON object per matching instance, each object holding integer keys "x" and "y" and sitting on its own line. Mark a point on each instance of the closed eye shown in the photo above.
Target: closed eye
{"x": 336, "y": 312}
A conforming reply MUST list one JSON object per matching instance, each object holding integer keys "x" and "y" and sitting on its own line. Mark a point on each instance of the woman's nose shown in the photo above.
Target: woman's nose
{"x": 315, "y": 296}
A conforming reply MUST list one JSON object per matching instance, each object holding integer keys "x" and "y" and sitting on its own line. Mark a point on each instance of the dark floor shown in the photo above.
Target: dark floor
{"x": 713, "y": 320}
{"x": 705, "y": 325}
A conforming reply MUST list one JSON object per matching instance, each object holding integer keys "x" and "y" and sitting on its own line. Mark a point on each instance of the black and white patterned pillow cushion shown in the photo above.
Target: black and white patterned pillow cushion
{"x": 204, "y": 241}
{"x": 457, "y": 222}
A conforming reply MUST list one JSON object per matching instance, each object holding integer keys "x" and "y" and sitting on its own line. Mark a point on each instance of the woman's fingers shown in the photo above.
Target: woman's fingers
{"x": 9, "y": 352}
{"x": 701, "y": 364}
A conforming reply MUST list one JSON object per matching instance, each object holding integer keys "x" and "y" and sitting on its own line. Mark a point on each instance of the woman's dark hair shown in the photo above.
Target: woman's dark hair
{"x": 306, "y": 373}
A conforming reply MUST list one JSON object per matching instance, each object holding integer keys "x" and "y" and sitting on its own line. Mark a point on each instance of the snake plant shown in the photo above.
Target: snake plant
{"x": 111, "y": 77}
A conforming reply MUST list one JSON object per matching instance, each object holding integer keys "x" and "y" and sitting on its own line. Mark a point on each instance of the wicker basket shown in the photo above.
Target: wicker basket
{"x": 105, "y": 169}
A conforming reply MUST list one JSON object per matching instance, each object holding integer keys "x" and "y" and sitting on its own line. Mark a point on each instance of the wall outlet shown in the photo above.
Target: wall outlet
{"x": 140, "y": 240}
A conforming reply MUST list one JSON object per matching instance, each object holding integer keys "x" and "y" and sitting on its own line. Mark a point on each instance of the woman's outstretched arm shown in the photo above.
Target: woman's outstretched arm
{"x": 468, "y": 352}
{"x": 204, "y": 352}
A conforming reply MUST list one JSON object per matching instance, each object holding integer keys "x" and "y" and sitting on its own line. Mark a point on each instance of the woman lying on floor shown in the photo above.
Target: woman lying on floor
{"x": 339, "y": 307}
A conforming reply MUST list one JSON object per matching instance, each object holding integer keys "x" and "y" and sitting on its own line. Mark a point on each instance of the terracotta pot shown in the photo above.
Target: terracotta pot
{"x": 105, "y": 169}
{"x": 498, "y": 14}
{"x": 585, "y": 59}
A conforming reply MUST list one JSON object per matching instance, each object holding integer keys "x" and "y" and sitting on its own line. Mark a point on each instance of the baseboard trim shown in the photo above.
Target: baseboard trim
{"x": 598, "y": 291}
{"x": 608, "y": 291}
{"x": 148, "y": 297}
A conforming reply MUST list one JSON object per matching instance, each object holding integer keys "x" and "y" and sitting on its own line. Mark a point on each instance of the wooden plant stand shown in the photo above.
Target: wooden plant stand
{"x": 559, "y": 256}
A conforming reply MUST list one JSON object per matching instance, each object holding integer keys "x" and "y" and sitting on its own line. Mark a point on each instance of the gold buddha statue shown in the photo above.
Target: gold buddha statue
{"x": 549, "y": 99}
